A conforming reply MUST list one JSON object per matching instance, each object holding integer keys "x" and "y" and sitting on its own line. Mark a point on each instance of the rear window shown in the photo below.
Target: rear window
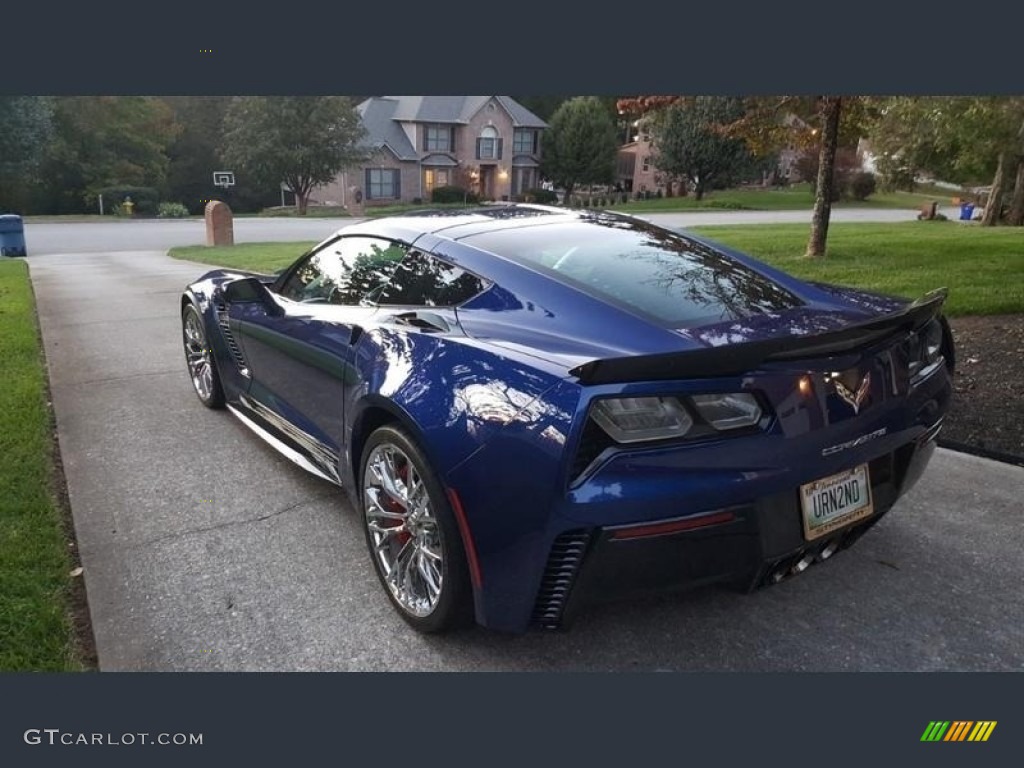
{"x": 669, "y": 278}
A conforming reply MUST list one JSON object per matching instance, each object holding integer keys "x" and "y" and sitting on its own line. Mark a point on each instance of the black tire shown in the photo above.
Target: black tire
{"x": 197, "y": 352}
{"x": 454, "y": 602}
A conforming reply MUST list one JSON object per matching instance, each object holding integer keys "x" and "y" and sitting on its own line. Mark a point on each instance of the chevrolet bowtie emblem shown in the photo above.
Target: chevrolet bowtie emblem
{"x": 854, "y": 399}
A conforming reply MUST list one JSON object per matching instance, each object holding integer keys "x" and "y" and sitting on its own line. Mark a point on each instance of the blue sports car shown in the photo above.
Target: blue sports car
{"x": 531, "y": 408}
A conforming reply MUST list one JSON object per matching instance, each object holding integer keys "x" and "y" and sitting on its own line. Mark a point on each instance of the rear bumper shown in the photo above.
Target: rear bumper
{"x": 545, "y": 549}
{"x": 747, "y": 546}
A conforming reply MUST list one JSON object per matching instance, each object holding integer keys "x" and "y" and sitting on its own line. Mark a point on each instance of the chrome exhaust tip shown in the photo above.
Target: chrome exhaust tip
{"x": 802, "y": 564}
{"x": 828, "y": 550}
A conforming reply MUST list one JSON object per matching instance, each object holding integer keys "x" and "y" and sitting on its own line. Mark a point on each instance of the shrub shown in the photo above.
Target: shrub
{"x": 806, "y": 167}
{"x": 453, "y": 194}
{"x": 171, "y": 211}
{"x": 896, "y": 174}
{"x": 541, "y": 196}
{"x": 730, "y": 205}
{"x": 847, "y": 164}
{"x": 146, "y": 199}
{"x": 862, "y": 185}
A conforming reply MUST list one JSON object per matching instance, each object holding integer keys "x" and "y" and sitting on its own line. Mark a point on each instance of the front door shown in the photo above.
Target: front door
{"x": 302, "y": 357}
{"x": 487, "y": 182}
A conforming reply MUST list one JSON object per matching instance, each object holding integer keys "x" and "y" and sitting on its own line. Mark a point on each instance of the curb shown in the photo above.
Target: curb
{"x": 985, "y": 453}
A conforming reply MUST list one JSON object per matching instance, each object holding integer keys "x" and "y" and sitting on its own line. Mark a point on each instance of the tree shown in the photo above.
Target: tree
{"x": 26, "y": 125}
{"x": 831, "y": 107}
{"x": 967, "y": 140}
{"x": 102, "y": 141}
{"x": 193, "y": 155}
{"x": 303, "y": 141}
{"x": 1016, "y": 214}
{"x": 580, "y": 144}
{"x": 690, "y": 142}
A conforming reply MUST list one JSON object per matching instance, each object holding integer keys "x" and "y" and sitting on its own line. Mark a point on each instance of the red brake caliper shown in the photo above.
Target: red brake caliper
{"x": 402, "y": 536}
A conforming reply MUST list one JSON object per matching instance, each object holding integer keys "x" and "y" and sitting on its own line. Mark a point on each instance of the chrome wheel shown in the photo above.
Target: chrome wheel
{"x": 197, "y": 355}
{"x": 202, "y": 367}
{"x": 405, "y": 537}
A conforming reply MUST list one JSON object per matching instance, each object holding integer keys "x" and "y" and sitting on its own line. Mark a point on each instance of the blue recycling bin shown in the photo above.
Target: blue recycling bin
{"x": 12, "y": 235}
{"x": 966, "y": 211}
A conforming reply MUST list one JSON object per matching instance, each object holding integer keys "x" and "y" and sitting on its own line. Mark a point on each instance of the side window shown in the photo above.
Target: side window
{"x": 423, "y": 281}
{"x": 348, "y": 271}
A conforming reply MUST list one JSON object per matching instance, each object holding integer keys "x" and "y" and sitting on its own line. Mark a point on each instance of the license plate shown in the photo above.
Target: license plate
{"x": 835, "y": 501}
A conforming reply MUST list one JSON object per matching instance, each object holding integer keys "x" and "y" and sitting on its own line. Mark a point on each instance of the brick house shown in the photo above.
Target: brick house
{"x": 637, "y": 174}
{"x": 635, "y": 170}
{"x": 488, "y": 144}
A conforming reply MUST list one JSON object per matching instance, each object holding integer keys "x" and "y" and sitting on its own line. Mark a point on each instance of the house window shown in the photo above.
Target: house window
{"x": 524, "y": 142}
{"x": 647, "y": 164}
{"x": 382, "y": 183}
{"x": 488, "y": 146}
{"x": 435, "y": 177}
{"x": 438, "y": 138}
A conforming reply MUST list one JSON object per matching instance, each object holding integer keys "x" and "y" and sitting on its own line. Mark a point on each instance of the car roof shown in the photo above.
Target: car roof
{"x": 456, "y": 223}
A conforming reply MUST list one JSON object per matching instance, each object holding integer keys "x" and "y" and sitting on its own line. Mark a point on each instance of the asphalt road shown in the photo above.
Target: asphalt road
{"x": 161, "y": 234}
{"x": 204, "y": 550}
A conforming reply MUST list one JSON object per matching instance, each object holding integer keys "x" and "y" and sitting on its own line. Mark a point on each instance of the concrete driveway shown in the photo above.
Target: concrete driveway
{"x": 204, "y": 550}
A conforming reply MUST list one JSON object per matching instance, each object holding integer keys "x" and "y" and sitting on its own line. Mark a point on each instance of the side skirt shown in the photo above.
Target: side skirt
{"x": 292, "y": 454}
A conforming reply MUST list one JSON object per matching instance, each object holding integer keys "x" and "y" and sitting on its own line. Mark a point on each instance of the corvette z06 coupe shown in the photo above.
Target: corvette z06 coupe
{"x": 530, "y": 408}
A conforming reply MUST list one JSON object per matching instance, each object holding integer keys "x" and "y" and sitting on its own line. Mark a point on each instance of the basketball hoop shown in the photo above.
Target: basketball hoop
{"x": 224, "y": 179}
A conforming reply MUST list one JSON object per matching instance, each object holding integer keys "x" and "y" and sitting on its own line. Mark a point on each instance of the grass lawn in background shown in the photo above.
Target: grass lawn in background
{"x": 792, "y": 198}
{"x": 35, "y": 584}
{"x": 982, "y": 267}
{"x": 258, "y": 257}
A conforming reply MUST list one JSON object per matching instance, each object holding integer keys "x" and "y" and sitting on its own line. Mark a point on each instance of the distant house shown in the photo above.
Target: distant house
{"x": 489, "y": 145}
{"x": 637, "y": 173}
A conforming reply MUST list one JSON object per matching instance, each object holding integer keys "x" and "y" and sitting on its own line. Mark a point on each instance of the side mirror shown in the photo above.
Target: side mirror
{"x": 249, "y": 290}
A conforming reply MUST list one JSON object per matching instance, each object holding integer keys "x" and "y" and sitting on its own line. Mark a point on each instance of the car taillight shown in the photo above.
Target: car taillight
{"x": 650, "y": 419}
{"x": 640, "y": 419}
{"x": 926, "y": 350}
{"x": 731, "y": 410}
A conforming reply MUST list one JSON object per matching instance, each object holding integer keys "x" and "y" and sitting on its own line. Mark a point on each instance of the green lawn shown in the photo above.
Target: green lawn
{"x": 35, "y": 629}
{"x": 796, "y": 197}
{"x": 290, "y": 211}
{"x": 982, "y": 267}
{"x": 258, "y": 257}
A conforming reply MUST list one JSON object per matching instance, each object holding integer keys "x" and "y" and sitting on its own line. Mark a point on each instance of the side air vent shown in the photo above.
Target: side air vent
{"x": 564, "y": 562}
{"x": 593, "y": 442}
{"x": 229, "y": 338}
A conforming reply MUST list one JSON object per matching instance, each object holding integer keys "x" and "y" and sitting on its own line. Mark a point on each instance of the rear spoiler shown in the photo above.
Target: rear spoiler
{"x": 735, "y": 359}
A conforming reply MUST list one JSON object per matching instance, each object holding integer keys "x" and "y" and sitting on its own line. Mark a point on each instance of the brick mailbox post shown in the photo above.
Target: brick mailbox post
{"x": 220, "y": 228}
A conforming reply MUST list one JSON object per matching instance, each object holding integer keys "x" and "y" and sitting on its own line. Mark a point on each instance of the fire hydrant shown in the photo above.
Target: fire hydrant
{"x": 128, "y": 206}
